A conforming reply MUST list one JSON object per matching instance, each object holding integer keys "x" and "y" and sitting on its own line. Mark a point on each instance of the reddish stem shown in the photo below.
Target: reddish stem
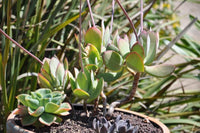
{"x": 16, "y": 43}
{"x": 131, "y": 23}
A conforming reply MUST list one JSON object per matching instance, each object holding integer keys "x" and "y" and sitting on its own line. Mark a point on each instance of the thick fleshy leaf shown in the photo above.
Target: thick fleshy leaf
{"x": 64, "y": 109}
{"x": 21, "y": 98}
{"x": 150, "y": 43}
{"x": 138, "y": 49}
{"x": 44, "y": 101}
{"x": 113, "y": 60}
{"x": 134, "y": 62}
{"x": 112, "y": 47}
{"x": 92, "y": 67}
{"x": 36, "y": 112}
{"x": 92, "y": 54}
{"x": 51, "y": 107}
{"x": 32, "y": 103}
{"x": 43, "y": 92}
{"x": 46, "y": 66}
{"x": 110, "y": 76}
{"x": 53, "y": 65}
{"x": 28, "y": 120}
{"x": 82, "y": 81}
{"x": 81, "y": 94}
{"x": 47, "y": 76}
{"x": 123, "y": 46}
{"x": 106, "y": 36}
{"x": 93, "y": 36}
{"x": 43, "y": 81}
{"x": 58, "y": 97}
{"x": 72, "y": 81}
{"x": 152, "y": 50}
{"x": 96, "y": 92}
{"x": 160, "y": 70}
{"x": 66, "y": 64}
{"x": 47, "y": 119}
{"x": 60, "y": 71}
{"x": 133, "y": 40}
{"x": 65, "y": 79}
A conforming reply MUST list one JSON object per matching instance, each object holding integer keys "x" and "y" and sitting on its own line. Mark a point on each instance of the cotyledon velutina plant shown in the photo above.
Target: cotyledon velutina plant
{"x": 44, "y": 106}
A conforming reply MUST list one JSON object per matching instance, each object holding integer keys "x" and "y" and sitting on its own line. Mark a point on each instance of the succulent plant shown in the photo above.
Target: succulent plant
{"x": 119, "y": 126}
{"x": 54, "y": 74}
{"x": 135, "y": 56}
{"x": 85, "y": 86}
{"x": 44, "y": 106}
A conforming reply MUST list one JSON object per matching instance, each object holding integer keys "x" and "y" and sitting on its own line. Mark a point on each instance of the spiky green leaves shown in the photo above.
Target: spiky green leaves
{"x": 85, "y": 86}
{"x": 42, "y": 103}
{"x": 54, "y": 74}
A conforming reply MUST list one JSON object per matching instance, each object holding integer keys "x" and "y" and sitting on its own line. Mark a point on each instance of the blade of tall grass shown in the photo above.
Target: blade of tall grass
{"x": 56, "y": 29}
{"x": 179, "y": 114}
{"x": 181, "y": 121}
{"x": 164, "y": 51}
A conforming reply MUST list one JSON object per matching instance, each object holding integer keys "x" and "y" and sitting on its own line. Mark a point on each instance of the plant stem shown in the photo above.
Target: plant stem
{"x": 141, "y": 14}
{"x": 128, "y": 98}
{"x": 91, "y": 14}
{"x": 112, "y": 16}
{"x": 131, "y": 23}
{"x": 104, "y": 103}
{"x": 80, "y": 38}
{"x": 36, "y": 58}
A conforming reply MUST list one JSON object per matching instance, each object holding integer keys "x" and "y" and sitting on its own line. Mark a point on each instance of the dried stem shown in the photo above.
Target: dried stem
{"x": 17, "y": 44}
{"x": 141, "y": 14}
{"x": 80, "y": 38}
{"x": 91, "y": 14}
{"x": 112, "y": 17}
{"x": 127, "y": 99}
{"x": 131, "y": 23}
{"x": 167, "y": 48}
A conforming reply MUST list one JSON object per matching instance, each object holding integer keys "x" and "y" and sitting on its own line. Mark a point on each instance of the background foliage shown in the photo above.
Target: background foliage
{"x": 47, "y": 28}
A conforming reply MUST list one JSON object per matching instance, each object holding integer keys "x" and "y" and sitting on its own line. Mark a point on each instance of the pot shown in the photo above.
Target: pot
{"x": 12, "y": 127}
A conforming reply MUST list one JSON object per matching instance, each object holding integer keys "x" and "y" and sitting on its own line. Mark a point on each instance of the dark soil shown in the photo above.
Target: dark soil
{"x": 80, "y": 123}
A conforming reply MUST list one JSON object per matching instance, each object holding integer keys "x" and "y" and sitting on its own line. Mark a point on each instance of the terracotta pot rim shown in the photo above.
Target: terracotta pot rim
{"x": 11, "y": 122}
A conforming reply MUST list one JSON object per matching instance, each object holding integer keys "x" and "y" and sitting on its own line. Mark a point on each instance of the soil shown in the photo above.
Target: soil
{"x": 80, "y": 123}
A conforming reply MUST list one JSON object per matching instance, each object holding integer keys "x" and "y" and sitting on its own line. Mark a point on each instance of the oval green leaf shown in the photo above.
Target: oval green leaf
{"x": 81, "y": 94}
{"x": 37, "y": 112}
{"x": 51, "y": 107}
{"x": 113, "y": 60}
{"x": 134, "y": 62}
{"x": 138, "y": 49}
{"x": 160, "y": 70}
{"x": 93, "y": 36}
{"x": 123, "y": 46}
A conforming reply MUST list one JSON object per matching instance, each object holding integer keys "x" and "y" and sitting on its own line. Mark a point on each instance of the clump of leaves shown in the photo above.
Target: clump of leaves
{"x": 44, "y": 106}
{"x": 54, "y": 74}
{"x": 135, "y": 56}
{"x": 119, "y": 126}
{"x": 85, "y": 85}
